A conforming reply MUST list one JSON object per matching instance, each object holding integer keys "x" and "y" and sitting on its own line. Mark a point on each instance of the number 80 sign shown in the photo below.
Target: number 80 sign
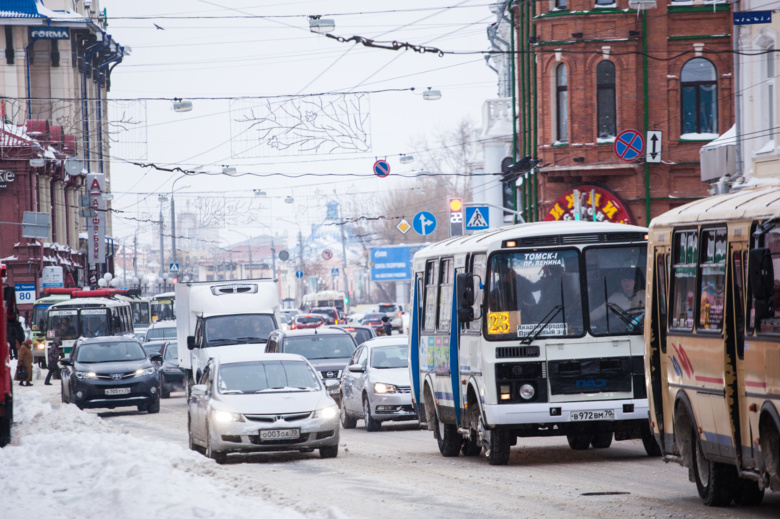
{"x": 25, "y": 293}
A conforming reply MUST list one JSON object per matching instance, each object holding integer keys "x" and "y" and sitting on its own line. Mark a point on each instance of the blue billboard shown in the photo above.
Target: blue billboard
{"x": 391, "y": 264}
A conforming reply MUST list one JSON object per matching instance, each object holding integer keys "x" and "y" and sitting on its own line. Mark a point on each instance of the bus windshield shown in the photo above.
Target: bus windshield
{"x": 616, "y": 294}
{"x": 40, "y": 317}
{"x": 162, "y": 310}
{"x": 534, "y": 294}
{"x": 72, "y": 324}
{"x": 140, "y": 312}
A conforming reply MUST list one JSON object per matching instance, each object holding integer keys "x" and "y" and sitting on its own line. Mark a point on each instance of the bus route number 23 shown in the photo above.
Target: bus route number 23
{"x": 498, "y": 322}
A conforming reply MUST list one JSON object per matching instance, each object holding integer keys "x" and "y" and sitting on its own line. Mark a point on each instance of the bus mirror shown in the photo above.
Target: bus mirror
{"x": 190, "y": 342}
{"x": 465, "y": 297}
{"x": 761, "y": 273}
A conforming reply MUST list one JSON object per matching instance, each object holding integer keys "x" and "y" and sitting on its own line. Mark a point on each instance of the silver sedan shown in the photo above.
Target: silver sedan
{"x": 375, "y": 386}
{"x": 261, "y": 402}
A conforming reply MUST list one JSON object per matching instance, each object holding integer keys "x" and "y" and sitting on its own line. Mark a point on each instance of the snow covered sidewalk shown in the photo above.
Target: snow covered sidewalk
{"x": 66, "y": 463}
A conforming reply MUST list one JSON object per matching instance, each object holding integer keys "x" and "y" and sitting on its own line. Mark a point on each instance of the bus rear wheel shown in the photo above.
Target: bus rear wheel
{"x": 578, "y": 441}
{"x": 748, "y": 493}
{"x": 715, "y": 482}
{"x": 447, "y": 436}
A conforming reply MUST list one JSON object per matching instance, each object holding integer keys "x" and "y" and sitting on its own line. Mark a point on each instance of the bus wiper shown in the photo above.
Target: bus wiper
{"x": 531, "y": 337}
{"x": 632, "y": 322}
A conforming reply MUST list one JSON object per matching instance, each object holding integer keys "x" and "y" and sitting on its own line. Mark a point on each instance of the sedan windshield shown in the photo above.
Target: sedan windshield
{"x": 171, "y": 352}
{"x": 321, "y": 346}
{"x": 385, "y": 357}
{"x": 153, "y": 334}
{"x": 268, "y": 376}
{"x": 110, "y": 352}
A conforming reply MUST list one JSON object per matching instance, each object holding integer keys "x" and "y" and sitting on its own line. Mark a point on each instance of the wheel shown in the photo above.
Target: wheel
{"x": 651, "y": 446}
{"x": 748, "y": 493}
{"x": 329, "y": 452}
{"x": 188, "y": 383}
{"x": 154, "y": 407}
{"x": 446, "y": 435}
{"x": 498, "y": 447}
{"x": 371, "y": 424}
{"x": 578, "y": 442}
{"x": 218, "y": 456}
{"x": 165, "y": 391}
{"x": 601, "y": 440}
{"x": 715, "y": 482}
{"x": 190, "y": 443}
{"x": 472, "y": 446}
{"x": 347, "y": 422}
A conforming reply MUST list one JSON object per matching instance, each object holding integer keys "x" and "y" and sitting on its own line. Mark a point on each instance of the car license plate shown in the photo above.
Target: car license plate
{"x": 600, "y": 414}
{"x": 118, "y": 391}
{"x": 280, "y": 434}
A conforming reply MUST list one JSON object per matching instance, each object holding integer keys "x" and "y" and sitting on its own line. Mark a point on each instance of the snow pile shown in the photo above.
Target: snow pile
{"x": 66, "y": 463}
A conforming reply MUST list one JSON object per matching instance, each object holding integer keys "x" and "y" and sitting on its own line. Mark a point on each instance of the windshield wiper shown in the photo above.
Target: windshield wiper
{"x": 218, "y": 342}
{"x": 231, "y": 391}
{"x": 252, "y": 339}
{"x": 531, "y": 337}
{"x": 286, "y": 388}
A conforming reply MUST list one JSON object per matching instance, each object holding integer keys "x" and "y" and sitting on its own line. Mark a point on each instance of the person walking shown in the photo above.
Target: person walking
{"x": 387, "y": 325}
{"x": 26, "y": 362}
{"x": 55, "y": 354}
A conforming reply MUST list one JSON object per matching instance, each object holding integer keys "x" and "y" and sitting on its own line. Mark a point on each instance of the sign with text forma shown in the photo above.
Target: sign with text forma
{"x": 609, "y": 208}
{"x": 391, "y": 264}
{"x": 96, "y": 219}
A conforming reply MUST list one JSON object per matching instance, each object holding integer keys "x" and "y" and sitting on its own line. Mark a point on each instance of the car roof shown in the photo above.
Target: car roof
{"x": 392, "y": 340}
{"x": 163, "y": 324}
{"x": 322, "y": 330}
{"x": 233, "y": 357}
{"x": 108, "y": 338}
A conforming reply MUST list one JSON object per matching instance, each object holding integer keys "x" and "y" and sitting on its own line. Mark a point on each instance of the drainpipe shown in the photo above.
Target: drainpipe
{"x": 647, "y": 116}
{"x": 514, "y": 99}
{"x": 88, "y": 53}
{"x": 535, "y": 136}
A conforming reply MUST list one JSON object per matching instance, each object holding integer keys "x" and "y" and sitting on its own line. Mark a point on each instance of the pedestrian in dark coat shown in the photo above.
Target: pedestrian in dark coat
{"x": 26, "y": 360}
{"x": 55, "y": 354}
{"x": 387, "y": 325}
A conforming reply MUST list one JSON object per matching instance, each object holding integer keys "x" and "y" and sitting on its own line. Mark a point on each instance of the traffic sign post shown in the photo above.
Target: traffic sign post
{"x": 299, "y": 274}
{"x": 629, "y": 145}
{"x": 334, "y": 273}
{"x": 403, "y": 226}
{"x": 381, "y": 168}
{"x": 327, "y": 254}
{"x": 173, "y": 268}
{"x": 456, "y": 217}
{"x": 477, "y": 217}
{"x": 424, "y": 223}
{"x": 654, "y": 143}
{"x": 25, "y": 293}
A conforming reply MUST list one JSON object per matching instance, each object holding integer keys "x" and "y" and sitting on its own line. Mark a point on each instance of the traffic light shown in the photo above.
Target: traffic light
{"x": 456, "y": 217}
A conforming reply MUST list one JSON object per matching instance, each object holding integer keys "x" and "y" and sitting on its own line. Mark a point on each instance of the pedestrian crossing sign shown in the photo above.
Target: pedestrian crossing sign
{"x": 173, "y": 268}
{"x": 477, "y": 218}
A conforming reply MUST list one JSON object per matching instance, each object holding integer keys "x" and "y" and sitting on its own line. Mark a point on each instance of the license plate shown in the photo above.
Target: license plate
{"x": 118, "y": 391}
{"x": 280, "y": 434}
{"x": 585, "y": 416}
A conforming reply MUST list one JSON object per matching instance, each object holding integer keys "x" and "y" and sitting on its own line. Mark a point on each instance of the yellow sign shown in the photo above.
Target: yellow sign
{"x": 503, "y": 322}
{"x": 403, "y": 226}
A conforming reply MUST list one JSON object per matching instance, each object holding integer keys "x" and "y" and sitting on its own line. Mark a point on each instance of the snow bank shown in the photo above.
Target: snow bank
{"x": 67, "y": 463}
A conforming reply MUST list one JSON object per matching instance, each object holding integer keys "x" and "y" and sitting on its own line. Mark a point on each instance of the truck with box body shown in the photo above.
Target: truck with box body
{"x": 217, "y": 316}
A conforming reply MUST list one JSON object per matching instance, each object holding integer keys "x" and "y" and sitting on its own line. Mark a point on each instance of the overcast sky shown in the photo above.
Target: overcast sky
{"x": 278, "y": 56}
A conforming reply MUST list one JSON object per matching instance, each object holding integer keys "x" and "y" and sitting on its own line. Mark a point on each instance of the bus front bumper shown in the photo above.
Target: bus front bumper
{"x": 566, "y": 412}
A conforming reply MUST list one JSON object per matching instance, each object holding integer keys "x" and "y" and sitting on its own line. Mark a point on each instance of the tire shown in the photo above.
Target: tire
{"x": 347, "y": 422}
{"x": 601, "y": 440}
{"x": 165, "y": 391}
{"x": 651, "y": 446}
{"x": 748, "y": 493}
{"x": 471, "y": 446}
{"x": 446, "y": 435}
{"x": 715, "y": 482}
{"x": 153, "y": 407}
{"x": 188, "y": 383}
{"x": 329, "y": 452}
{"x": 498, "y": 447}
{"x": 218, "y": 456}
{"x": 578, "y": 442}
{"x": 371, "y": 424}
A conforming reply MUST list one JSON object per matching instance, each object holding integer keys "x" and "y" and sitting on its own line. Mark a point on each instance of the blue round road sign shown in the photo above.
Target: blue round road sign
{"x": 381, "y": 168}
{"x": 299, "y": 274}
{"x": 629, "y": 145}
{"x": 424, "y": 223}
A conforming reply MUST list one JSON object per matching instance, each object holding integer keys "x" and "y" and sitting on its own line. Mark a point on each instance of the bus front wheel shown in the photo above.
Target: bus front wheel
{"x": 499, "y": 443}
{"x": 715, "y": 482}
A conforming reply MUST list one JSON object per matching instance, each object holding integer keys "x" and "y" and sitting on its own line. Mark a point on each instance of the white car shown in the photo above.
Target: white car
{"x": 161, "y": 330}
{"x": 261, "y": 402}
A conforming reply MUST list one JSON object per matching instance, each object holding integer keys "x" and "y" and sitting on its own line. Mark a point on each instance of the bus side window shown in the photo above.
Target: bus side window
{"x": 445, "y": 295}
{"x": 429, "y": 310}
{"x": 683, "y": 287}
{"x": 739, "y": 301}
{"x": 712, "y": 273}
{"x": 478, "y": 268}
{"x": 765, "y": 314}
{"x": 661, "y": 278}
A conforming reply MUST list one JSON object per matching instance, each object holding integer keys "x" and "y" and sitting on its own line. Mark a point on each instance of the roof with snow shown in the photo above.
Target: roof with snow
{"x": 35, "y": 9}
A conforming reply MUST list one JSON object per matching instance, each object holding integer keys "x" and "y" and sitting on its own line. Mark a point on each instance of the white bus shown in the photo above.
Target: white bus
{"x": 531, "y": 330}
{"x": 85, "y": 316}
{"x": 163, "y": 307}
{"x": 329, "y": 298}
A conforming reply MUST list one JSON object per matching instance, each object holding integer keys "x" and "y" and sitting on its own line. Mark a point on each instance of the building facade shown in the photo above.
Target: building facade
{"x": 54, "y": 78}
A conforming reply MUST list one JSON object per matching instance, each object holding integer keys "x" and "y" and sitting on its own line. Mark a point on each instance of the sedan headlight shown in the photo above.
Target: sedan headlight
{"x": 384, "y": 388}
{"x": 86, "y": 374}
{"x": 226, "y": 416}
{"x": 144, "y": 372}
{"x": 327, "y": 412}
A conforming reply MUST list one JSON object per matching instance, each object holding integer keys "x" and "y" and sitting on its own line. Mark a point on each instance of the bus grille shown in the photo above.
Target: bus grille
{"x": 517, "y": 352}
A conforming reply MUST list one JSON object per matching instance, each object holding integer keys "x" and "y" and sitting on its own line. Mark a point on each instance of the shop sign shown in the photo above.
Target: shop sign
{"x": 608, "y": 207}
{"x": 96, "y": 218}
{"x": 6, "y": 177}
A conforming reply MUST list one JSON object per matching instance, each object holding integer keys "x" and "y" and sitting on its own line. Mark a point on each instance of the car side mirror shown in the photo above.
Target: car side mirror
{"x": 156, "y": 358}
{"x": 198, "y": 390}
{"x": 65, "y": 361}
{"x": 190, "y": 342}
{"x": 356, "y": 368}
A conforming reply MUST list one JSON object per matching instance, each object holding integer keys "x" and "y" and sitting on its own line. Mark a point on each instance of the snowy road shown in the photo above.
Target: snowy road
{"x": 399, "y": 472}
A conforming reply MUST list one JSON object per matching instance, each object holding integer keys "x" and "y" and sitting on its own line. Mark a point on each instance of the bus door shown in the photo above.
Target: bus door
{"x": 658, "y": 360}
{"x": 470, "y": 333}
{"x": 737, "y": 299}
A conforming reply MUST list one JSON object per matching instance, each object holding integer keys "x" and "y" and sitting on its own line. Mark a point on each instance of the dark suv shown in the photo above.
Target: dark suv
{"x": 329, "y": 314}
{"x": 111, "y": 372}
{"x": 328, "y": 350}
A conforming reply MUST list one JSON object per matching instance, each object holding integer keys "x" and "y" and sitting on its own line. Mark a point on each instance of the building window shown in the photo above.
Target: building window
{"x": 561, "y": 4}
{"x": 562, "y": 104}
{"x": 699, "y": 97}
{"x": 605, "y": 2}
{"x": 605, "y": 99}
{"x": 769, "y": 91}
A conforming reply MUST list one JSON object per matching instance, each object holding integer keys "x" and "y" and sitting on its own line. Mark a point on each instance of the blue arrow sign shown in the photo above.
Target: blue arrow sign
{"x": 477, "y": 217}
{"x": 299, "y": 274}
{"x": 424, "y": 223}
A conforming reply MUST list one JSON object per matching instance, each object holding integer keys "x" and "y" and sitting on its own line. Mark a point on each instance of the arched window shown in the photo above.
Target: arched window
{"x": 605, "y": 100}
{"x": 562, "y": 104}
{"x": 699, "y": 97}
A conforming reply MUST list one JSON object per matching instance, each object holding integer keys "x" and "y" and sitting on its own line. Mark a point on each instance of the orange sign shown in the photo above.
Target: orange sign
{"x": 608, "y": 207}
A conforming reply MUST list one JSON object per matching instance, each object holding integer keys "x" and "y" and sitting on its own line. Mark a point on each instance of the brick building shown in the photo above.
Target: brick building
{"x": 588, "y": 70}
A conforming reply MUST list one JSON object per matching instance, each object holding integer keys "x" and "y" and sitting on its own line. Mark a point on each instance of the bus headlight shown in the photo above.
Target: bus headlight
{"x": 527, "y": 391}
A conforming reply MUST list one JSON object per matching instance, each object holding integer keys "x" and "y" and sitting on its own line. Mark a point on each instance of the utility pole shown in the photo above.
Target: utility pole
{"x": 162, "y": 250}
{"x": 173, "y": 229}
{"x": 300, "y": 251}
{"x": 344, "y": 260}
{"x": 135, "y": 254}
